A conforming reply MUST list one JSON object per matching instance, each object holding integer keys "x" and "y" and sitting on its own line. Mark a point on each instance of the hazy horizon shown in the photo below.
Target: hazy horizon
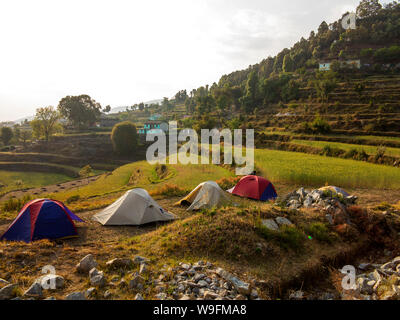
{"x": 122, "y": 53}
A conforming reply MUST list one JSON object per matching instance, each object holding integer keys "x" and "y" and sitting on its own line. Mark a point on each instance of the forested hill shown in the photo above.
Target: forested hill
{"x": 375, "y": 43}
{"x": 377, "y": 27}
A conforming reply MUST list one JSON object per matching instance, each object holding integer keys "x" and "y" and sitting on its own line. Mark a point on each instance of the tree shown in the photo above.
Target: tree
{"x": 368, "y": 8}
{"x": 107, "y": 109}
{"x": 288, "y": 64}
{"x": 250, "y": 98}
{"x": 124, "y": 138}
{"x": 25, "y": 136}
{"x": 141, "y": 106}
{"x": 45, "y": 123}
{"x": 80, "y": 110}
{"x": 6, "y": 135}
{"x": 86, "y": 171}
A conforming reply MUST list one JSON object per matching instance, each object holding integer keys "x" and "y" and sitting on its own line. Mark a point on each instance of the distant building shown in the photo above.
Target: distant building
{"x": 154, "y": 127}
{"x": 325, "y": 66}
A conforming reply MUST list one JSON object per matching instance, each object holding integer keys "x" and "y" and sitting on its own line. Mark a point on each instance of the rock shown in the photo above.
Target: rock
{"x": 90, "y": 292}
{"x": 51, "y": 281}
{"x": 7, "y": 292}
{"x": 94, "y": 272}
{"x": 50, "y": 298}
{"x": 308, "y": 201}
{"x": 86, "y": 264}
{"x": 365, "y": 285}
{"x": 133, "y": 284}
{"x": 139, "y": 297}
{"x": 297, "y": 295}
{"x": 202, "y": 283}
{"x": 143, "y": 269}
{"x": 107, "y": 294}
{"x": 119, "y": 263}
{"x": 181, "y": 287}
{"x": 302, "y": 193}
{"x": 281, "y": 221}
{"x": 240, "y": 286}
{"x": 270, "y": 224}
{"x": 185, "y": 297}
{"x": 240, "y": 297}
{"x": 98, "y": 280}
{"x": 35, "y": 290}
{"x": 161, "y": 296}
{"x": 364, "y": 266}
{"x": 199, "y": 276}
{"x": 75, "y": 296}
{"x": 209, "y": 295}
{"x": 294, "y": 204}
{"x": 254, "y": 294}
{"x": 140, "y": 260}
{"x": 329, "y": 218}
{"x": 185, "y": 266}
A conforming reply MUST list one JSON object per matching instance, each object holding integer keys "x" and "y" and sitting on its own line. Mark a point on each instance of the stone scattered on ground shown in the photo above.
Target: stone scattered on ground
{"x": 7, "y": 292}
{"x": 333, "y": 203}
{"x": 276, "y": 224}
{"x": 379, "y": 282}
{"x": 86, "y": 264}
{"x": 75, "y": 296}
{"x": 35, "y": 290}
{"x": 97, "y": 278}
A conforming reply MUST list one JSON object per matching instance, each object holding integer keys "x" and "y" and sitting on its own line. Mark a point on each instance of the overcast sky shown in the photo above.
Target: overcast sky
{"x": 124, "y": 52}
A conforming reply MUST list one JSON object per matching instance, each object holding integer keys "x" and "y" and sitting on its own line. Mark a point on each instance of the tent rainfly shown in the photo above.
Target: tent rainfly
{"x": 205, "y": 196}
{"x": 135, "y": 207}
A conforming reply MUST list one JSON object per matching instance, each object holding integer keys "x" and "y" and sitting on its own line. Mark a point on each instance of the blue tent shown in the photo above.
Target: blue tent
{"x": 42, "y": 219}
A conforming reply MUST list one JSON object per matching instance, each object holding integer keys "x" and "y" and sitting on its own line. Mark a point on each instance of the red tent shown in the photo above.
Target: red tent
{"x": 254, "y": 187}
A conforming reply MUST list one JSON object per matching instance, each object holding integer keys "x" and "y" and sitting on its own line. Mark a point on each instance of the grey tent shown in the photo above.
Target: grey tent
{"x": 205, "y": 196}
{"x": 135, "y": 207}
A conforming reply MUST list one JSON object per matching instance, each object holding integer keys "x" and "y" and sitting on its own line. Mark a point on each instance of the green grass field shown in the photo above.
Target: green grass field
{"x": 314, "y": 170}
{"x": 371, "y": 150}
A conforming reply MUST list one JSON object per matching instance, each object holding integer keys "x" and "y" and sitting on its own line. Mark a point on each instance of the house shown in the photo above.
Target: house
{"x": 325, "y": 66}
{"x": 152, "y": 126}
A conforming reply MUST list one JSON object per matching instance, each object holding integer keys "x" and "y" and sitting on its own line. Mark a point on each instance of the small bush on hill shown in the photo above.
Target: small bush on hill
{"x": 288, "y": 237}
{"x": 13, "y": 204}
{"x": 320, "y": 232}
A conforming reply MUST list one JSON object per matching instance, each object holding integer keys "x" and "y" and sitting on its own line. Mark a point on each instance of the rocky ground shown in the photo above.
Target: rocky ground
{"x": 199, "y": 281}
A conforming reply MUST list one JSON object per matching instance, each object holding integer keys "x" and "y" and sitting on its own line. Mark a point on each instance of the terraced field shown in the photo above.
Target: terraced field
{"x": 394, "y": 152}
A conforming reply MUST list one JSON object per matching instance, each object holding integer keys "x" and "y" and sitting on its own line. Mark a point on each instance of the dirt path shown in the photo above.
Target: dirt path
{"x": 55, "y": 188}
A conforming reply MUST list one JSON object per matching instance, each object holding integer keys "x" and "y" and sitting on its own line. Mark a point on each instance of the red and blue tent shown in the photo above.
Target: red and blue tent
{"x": 254, "y": 187}
{"x": 42, "y": 219}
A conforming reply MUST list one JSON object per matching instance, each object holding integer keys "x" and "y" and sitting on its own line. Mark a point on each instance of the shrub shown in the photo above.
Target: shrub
{"x": 14, "y": 204}
{"x": 124, "y": 138}
{"x": 288, "y": 237}
{"x": 228, "y": 183}
{"x": 320, "y": 232}
{"x": 72, "y": 199}
{"x": 169, "y": 190}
